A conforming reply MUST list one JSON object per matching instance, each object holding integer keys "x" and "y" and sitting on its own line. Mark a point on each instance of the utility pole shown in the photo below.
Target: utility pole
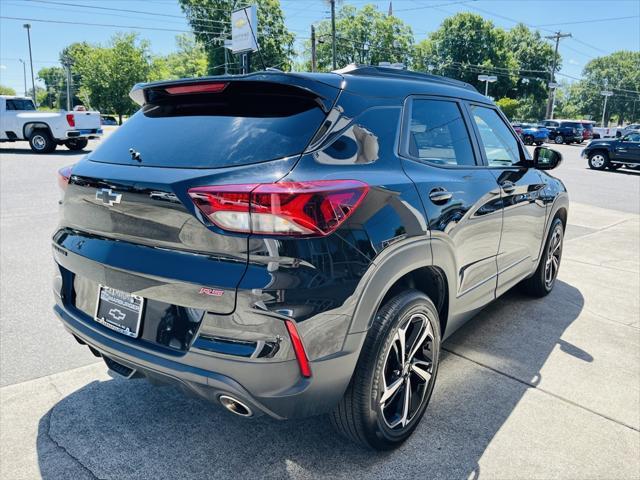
{"x": 606, "y": 94}
{"x": 67, "y": 66}
{"x": 33, "y": 80}
{"x": 556, "y": 36}
{"x": 333, "y": 32}
{"x": 314, "y": 59}
{"x": 24, "y": 74}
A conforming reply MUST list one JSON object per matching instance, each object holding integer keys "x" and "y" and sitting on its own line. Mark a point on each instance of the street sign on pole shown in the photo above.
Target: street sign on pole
{"x": 244, "y": 30}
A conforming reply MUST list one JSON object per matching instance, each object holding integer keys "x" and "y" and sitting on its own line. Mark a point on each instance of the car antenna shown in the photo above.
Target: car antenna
{"x": 253, "y": 34}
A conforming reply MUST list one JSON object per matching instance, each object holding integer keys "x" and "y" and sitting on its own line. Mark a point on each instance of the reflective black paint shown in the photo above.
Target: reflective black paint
{"x": 156, "y": 244}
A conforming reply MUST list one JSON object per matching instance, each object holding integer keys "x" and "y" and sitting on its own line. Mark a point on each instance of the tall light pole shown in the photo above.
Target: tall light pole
{"x": 333, "y": 32}
{"x": 24, "y": 75}
{"x": 314, "y": 64}
{"x": 606, "y": 94}
{"x": 487, "y": 79}
{"x": 552, "y": 74}
{"x": 33, "y": 80}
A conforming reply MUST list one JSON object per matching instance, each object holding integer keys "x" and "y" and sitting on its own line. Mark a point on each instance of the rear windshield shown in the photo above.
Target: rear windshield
{"x": 572, "y": 125}
{"x": 249, "y": 122}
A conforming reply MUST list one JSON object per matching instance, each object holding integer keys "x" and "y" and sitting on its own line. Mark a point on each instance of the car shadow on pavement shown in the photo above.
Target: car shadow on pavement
{"x": 129, "y": 429}
{"x": 28, "y": 151}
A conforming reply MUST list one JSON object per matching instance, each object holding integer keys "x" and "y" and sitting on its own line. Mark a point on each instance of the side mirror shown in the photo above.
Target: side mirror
{"x": 546, "y": 159}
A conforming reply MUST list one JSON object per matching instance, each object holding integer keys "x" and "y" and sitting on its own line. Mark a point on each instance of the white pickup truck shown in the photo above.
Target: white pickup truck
{"x": 19, "y": 121}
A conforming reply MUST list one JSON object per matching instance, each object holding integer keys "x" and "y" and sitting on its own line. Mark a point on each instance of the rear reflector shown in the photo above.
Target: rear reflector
{"x": 64, "y": 174}
{"x": 315, "y": 208}
{"x": 298, "y": 348}
{"x": 215, "y": 87}
{"x": 70, "y": 120}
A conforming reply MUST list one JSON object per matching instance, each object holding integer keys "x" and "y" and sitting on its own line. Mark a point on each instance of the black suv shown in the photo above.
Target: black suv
{"x": 613, "y": 153}
{"x": 564, "y": 131}
{"x": 292, "y": 244}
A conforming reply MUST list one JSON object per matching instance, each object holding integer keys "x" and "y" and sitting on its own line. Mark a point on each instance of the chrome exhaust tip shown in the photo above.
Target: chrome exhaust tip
{"x": 235, "y": 406}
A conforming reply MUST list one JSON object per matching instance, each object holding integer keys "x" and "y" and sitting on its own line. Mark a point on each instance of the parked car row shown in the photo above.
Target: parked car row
{"x": 557, "y": 131}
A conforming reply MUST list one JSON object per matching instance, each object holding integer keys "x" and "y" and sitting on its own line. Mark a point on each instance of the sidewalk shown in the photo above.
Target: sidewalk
{"x": 529, "y": 389}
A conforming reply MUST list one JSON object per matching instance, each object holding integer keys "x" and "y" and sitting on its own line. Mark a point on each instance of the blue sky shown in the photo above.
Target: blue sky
{"x": 598, "y": 27}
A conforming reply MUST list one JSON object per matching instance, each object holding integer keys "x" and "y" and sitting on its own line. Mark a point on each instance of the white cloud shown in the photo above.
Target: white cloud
{"x": 573, "y": 61}
{"x": 3, "y": 67}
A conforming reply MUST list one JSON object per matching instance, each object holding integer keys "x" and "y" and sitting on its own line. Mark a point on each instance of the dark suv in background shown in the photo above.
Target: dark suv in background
{"x": 564, "y": 131}
{"x": 293, "y": 244}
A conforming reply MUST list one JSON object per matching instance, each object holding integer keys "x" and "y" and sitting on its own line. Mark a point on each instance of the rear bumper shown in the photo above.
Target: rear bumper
{"x": 88, "y": 134}
{"x": 273, "y": 388}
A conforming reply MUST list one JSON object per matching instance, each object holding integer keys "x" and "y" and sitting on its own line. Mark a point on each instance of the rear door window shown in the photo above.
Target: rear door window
{"x": 249, "y": 122}
{"x": 438, "y": 134}
{"x": 20, "y": 104}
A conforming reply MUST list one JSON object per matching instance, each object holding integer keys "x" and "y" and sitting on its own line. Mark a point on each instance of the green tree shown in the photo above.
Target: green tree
{"x": 54, "y": 79}
{"x": 467, "y": 45}
{"x": 509, "y": 107}
{"x": 532, "y": 57}
{"x": 189, "y": 61}
{"x": 365, "y": 36}
{"x": 211, "y": 24}
{"x": 108, "y": 73}
{"x": 618, "y": 72}
{"x": 6, "y": 90}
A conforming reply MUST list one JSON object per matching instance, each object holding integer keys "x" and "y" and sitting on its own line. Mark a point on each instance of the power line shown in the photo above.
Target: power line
{"x": 594, "y": 20}
{"x": 133, "y": 27}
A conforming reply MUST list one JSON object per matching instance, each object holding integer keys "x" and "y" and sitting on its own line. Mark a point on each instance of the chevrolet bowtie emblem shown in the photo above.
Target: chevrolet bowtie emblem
{"x": 107, "y": 197}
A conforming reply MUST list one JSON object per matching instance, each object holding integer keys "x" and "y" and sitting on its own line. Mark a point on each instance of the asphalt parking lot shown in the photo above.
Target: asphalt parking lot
{"x": 528, "y": 389}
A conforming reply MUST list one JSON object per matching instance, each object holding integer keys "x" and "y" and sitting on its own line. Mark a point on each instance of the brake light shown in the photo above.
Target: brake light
{"x": 71, "y": 120}
{"x": 64, "y": 174}
{"x": 314, "y": 208}
{"x": 298, "y": 348}
{"x": 215, "y": 87}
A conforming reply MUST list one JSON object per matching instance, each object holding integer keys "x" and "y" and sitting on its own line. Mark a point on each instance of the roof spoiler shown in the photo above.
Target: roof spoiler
{"x": 325, "y": 92}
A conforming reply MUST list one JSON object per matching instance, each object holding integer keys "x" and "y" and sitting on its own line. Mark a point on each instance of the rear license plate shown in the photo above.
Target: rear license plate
{"x": 119, "y": 311}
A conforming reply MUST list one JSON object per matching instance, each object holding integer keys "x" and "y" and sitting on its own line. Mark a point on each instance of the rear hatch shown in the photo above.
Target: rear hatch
{"x": 127, "y": 206}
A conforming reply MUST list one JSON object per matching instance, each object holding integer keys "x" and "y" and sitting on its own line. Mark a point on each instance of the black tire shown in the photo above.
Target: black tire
{"x": 41, "y": 141}
{"x": 539, "y": 143}
{"x": 540, "y": 283}
{"x": 614, "y": 166}
{"x": 361, "y": 416}
{"x": 528, "y": 140}
{"x": 76, "y": 144}
{"x": 558, "y": 139}
{"x": 599, "y": 160}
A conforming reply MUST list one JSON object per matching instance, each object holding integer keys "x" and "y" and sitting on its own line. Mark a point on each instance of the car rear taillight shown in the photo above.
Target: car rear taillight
{"x": 64, "y": 174}
{"x": 314, "y": 208}
{"x": 70, "y": 120}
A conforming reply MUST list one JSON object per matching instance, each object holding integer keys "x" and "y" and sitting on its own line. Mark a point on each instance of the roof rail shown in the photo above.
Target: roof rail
{"x": 355, "y": 69}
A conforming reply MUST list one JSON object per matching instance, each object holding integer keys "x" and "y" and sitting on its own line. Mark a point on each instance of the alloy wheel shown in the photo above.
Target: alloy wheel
{"x": 554, "y": 253}
{"x": 407, "y": 371}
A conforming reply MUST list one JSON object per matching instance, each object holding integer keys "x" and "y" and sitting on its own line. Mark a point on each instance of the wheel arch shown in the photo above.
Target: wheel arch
{"x": 409, "y": 266}
{"x": 28, "y": 129}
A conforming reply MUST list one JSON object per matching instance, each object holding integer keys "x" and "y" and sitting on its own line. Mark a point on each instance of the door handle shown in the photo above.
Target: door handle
{"x": 440, "y": 195}
{"x": 508, "y": 187}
